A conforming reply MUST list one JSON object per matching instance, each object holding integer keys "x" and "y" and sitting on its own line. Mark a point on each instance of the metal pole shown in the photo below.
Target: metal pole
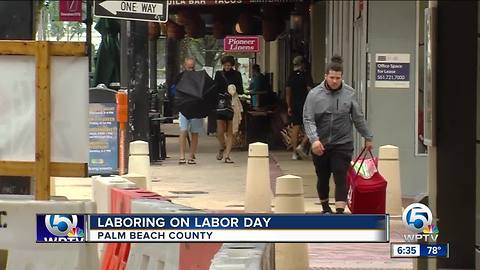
{"x": 152, "y": 64}
{"x": 153, "y": 105}
{"x": 124, "y": 36}
{"x": 138, "y": 82}
{"x": 88, "y": 22}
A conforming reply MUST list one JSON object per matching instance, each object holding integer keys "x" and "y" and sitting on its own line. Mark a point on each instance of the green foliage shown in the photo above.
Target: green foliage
{"x": 206, "y": 50}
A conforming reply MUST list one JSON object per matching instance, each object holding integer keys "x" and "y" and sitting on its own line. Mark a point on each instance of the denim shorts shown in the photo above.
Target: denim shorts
{"x": 194, "y": 125}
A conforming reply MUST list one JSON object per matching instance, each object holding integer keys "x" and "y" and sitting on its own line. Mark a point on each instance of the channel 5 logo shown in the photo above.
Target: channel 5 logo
{"x": 418, "y": 218}
{"x": 60, "y": 228}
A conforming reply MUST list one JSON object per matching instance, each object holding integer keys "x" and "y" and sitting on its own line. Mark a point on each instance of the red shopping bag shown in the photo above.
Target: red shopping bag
{"x": 366, "y": 193}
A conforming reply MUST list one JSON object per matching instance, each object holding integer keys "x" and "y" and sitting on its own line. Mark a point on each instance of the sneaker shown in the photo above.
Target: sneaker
{"x": 300, "y": 150}
{"x": 295, "y": 156}
{"x": 326, "y": 208}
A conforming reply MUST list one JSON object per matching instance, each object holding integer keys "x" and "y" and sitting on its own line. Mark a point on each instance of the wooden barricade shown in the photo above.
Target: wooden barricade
{"x": 42, "y": 168}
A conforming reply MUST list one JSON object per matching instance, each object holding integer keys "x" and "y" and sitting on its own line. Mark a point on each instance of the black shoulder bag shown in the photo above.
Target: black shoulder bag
{"x": 224, "y": 104}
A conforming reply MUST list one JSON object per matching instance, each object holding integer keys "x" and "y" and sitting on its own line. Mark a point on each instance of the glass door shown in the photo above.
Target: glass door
{"x": 360, "y": 63}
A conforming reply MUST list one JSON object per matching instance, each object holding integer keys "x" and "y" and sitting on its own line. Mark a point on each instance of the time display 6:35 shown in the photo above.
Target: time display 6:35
{"x": 405, "y": 250}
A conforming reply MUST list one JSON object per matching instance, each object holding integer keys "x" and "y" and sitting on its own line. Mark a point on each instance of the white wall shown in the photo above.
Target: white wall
{"x": 392, "y": 29}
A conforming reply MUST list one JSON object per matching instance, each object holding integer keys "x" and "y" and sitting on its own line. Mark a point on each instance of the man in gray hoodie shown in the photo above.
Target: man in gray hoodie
{"x": 328, "y": 114}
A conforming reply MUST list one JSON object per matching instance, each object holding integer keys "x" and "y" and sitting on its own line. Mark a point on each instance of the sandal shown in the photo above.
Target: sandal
{"x": 182, "y": 161}
{"x": 220, "y": 154}
{"x": 228, "y": 160}
{"x": 191, "y": 161}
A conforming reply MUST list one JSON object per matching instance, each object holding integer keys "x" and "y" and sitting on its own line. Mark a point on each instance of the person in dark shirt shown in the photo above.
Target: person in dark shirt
{"x": 298, "y": 85}
{"x": 223, "y": 78}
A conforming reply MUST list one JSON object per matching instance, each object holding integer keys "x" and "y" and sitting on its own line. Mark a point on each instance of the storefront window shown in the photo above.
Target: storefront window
{"x": 161, "y": 60}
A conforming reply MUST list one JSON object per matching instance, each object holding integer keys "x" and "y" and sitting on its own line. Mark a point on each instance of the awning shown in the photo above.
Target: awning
{"x": 227, "y": 2}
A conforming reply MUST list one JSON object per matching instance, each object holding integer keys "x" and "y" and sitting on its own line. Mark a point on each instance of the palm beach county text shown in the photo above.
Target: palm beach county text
{"x": 143, "y": 228}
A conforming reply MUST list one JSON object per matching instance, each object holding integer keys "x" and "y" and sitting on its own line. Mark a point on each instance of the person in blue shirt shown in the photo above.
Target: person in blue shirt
{"x": 258, "y": 85}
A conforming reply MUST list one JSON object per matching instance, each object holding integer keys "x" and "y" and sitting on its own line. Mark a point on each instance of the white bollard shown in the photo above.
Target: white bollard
{"x": 258, "y": 194}
{"x": 289, "y": 195}
{"x": 139, "y": 161}
{"x": 289, "y": 199}
{"x": 389, "y": 168}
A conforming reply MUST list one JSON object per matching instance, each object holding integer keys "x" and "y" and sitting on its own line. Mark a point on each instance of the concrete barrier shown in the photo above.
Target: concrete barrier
{"x": 101, "y": 190}
{"x": 18, "y": 234}
{"x": 168, "y": 256}
{"x": 258, "y": 195}
{"x": 116, "y": 254}
{"x": 243, "y": 256}
{"x": 14, "y": 197}
{"x": 389, "y": 168}
{"x": 289, "y": 199}
{"x": 139, "y": 180}
{"x": 139, "y": 161}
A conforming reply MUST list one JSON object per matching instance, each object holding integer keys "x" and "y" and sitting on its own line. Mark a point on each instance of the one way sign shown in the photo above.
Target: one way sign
{"x": 153, "y": 10}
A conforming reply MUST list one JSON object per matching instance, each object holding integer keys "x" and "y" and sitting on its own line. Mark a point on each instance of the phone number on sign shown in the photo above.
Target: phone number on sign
{"x": 387, "y": 77}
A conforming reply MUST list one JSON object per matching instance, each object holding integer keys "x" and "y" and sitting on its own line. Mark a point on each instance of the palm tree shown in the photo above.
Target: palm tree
{"x": 206, "y": 50}
{"x": 75, "y": 29}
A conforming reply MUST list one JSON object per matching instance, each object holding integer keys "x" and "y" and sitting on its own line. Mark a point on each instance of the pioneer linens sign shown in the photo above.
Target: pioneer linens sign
{"x": 241, "y": 44}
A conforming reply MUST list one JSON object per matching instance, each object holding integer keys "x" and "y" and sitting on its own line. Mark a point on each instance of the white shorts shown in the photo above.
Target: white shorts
{"x": 194, "y": 125}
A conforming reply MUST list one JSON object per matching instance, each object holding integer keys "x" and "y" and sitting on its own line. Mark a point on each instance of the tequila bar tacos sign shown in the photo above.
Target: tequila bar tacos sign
{"x": 227, "y": 2}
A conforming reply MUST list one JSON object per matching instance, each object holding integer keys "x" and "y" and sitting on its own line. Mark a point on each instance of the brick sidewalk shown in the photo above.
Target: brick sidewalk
{"x": 342, "y": 255}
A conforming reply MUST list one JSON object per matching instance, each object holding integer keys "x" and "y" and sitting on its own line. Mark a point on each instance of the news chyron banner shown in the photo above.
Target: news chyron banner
{"x": 103, "y": 228}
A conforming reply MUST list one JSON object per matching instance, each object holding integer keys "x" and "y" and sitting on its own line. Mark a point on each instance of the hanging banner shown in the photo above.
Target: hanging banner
{"x": 241, "y": 44}
{"x": 70, "y": 10}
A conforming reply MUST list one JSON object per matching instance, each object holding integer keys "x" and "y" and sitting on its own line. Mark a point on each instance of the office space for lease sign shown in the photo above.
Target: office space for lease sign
{"x": 392, "y": 70}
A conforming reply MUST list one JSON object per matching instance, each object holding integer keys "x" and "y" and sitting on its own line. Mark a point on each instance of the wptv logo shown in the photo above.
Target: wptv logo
{"x": 417, "y": 218}
{"x": 60, "y": 228}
